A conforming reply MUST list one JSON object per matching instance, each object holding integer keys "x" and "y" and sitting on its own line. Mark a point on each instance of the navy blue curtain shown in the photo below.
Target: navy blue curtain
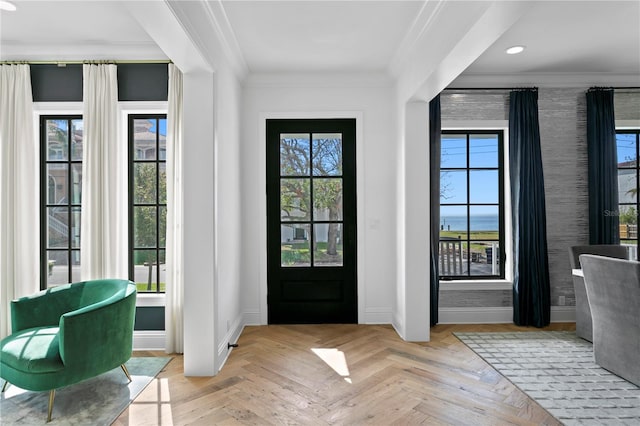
{"x": 435, "y": 128}
{"x": 603, "y": 168}
{"x": 531, "y": 288}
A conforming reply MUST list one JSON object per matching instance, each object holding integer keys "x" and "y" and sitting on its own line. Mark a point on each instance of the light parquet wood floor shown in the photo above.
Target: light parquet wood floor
{"x": 340, "y": 375}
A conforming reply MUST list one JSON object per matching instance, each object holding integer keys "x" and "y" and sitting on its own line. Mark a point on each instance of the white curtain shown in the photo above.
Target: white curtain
{"x": 174, "y": 285}
{"x": 19, "y": 189}
{"x": 103, "y": 231}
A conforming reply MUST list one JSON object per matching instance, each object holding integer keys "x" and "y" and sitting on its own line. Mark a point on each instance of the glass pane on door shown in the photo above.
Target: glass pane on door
{"x": 294, "y": 154}
{"x": 327, "y": 245}
{"x": 327, "y": 199}
{"x": 294, "y": 245}
{"x": 327, "y": 154}
{"x": 295, "y": 200}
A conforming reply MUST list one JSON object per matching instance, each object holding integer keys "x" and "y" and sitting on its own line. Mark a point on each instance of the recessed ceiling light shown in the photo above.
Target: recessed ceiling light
{"x": 514, "y": 49}
{"x": 7, "y": 5}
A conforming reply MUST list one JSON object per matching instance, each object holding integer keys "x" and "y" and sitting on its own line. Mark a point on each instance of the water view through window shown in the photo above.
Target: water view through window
{"x": 471, "y": 205}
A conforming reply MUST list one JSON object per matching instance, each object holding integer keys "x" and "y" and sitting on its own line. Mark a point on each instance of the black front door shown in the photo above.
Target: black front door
{"x": 311, "y": 221}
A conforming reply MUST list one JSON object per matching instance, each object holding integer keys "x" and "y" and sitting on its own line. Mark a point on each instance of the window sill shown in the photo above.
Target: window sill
{"x": 150, "y": 299}
{"x": 476, "y": 285}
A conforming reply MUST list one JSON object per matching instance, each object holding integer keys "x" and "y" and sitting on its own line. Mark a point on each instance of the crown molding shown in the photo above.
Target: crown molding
{"x": 420, "y": 26}
{"x": 204, "y": 22}
{"x": 319, "y": 80}
{"x": 47, "y": 51}
{"x": 564, "y": 79}
{"x": 220, "y": 22}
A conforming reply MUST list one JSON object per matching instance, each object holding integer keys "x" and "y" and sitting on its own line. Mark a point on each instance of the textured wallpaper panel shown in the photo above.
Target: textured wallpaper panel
{"x": 562, "y": 115}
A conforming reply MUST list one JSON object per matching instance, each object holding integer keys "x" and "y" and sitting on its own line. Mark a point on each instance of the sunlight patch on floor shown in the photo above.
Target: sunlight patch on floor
{"x": 152, "y": 406}
{"x": 335, "y": 359}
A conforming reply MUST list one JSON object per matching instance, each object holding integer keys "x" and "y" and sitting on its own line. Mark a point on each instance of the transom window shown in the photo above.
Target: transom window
{"x": 147, "y": 201}
{"x": 60, "y": 198}
{"x": 628, "y": 144}
{"x": 472, "y": 205}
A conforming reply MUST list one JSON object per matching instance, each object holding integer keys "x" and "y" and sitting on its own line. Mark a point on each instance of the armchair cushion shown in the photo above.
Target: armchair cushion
{"x": 34, "y": 350}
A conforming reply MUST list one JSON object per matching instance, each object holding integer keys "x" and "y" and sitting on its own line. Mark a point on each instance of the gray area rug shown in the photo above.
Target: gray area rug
{"x": 557, "y": 369}
{"x": 98, "y": 401}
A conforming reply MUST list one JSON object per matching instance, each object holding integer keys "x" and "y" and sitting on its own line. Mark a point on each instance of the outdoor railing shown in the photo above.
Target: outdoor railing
{"x": 628, "y": 231}
{"x": 450, "y": 256}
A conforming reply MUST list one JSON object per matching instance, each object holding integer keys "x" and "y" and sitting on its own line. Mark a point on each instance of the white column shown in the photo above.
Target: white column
{"x": 199, "y": 230}
{"x": 416, "y": 218}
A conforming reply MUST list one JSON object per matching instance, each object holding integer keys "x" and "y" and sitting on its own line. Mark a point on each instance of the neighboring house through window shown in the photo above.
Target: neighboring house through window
{"x": 472, "y": 229}
{"x": 61, "y": 197}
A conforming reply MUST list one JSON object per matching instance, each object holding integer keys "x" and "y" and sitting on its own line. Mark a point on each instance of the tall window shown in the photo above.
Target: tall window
{"x": 147, "y": 201}
{"x": 628, "y": 144}
{"x": 472, "y": 205}
{"x": 60, "y": 198}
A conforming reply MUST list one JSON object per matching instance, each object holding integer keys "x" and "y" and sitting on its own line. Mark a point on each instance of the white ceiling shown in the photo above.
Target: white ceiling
{"x": 570, "y": 36}
{"x": 335, "y": 36}
{"x": 320, "y": 36}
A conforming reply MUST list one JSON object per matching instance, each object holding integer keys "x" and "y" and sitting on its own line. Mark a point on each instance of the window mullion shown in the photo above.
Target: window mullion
{"x": 312, "y": 234}
{"x": 468, "y": 250}
{"x": 157, "y": 120}
{"x": 69, "y": 201}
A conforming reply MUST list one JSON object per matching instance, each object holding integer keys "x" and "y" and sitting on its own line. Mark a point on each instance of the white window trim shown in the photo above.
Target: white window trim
{"x": 141, "y": 107}
{"x": 124, "y": 109}
{"x": 499, "y": 284}
{"x": 52, "y": 108}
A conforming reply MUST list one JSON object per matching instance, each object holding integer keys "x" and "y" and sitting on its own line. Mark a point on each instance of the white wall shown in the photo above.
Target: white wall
{"x": 368, "y": 98}
{"x": 228, "y": 171}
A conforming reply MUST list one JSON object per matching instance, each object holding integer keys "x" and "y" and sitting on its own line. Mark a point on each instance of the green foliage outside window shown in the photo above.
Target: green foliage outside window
{"x": 145, "y": 217}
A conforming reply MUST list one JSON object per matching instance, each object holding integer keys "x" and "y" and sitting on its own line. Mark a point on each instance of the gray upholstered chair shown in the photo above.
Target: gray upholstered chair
{"x": 613, "y": 288}
{"x": 584, "y": 328}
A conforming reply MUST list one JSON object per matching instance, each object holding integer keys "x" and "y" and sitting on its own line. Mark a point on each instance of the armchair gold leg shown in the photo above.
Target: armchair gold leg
{"x": 52, "y": 395}
{"x": 126, "y": 372}
{"x": 4, "y": 387}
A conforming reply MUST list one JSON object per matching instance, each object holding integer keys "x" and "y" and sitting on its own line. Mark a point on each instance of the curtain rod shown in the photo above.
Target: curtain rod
{"x": 65, "y": 63}
{"x": 497, "y": 89}
{"x": 451, "y": 89}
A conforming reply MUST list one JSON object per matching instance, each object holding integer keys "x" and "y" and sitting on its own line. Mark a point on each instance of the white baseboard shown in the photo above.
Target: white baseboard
{"x": 147, "y": 340}
{"x": 563, "y": 314}
{"x": 252, "y": 318}
{"x": 231, "y": 337}
{"x": 378, "y": 316}
{"x": 496, "y": 315}
{"x": 475, "y": 315}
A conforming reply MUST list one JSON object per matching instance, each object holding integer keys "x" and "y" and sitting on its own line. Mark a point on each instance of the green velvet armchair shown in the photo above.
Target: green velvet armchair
{"x": 67, "y": 334}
